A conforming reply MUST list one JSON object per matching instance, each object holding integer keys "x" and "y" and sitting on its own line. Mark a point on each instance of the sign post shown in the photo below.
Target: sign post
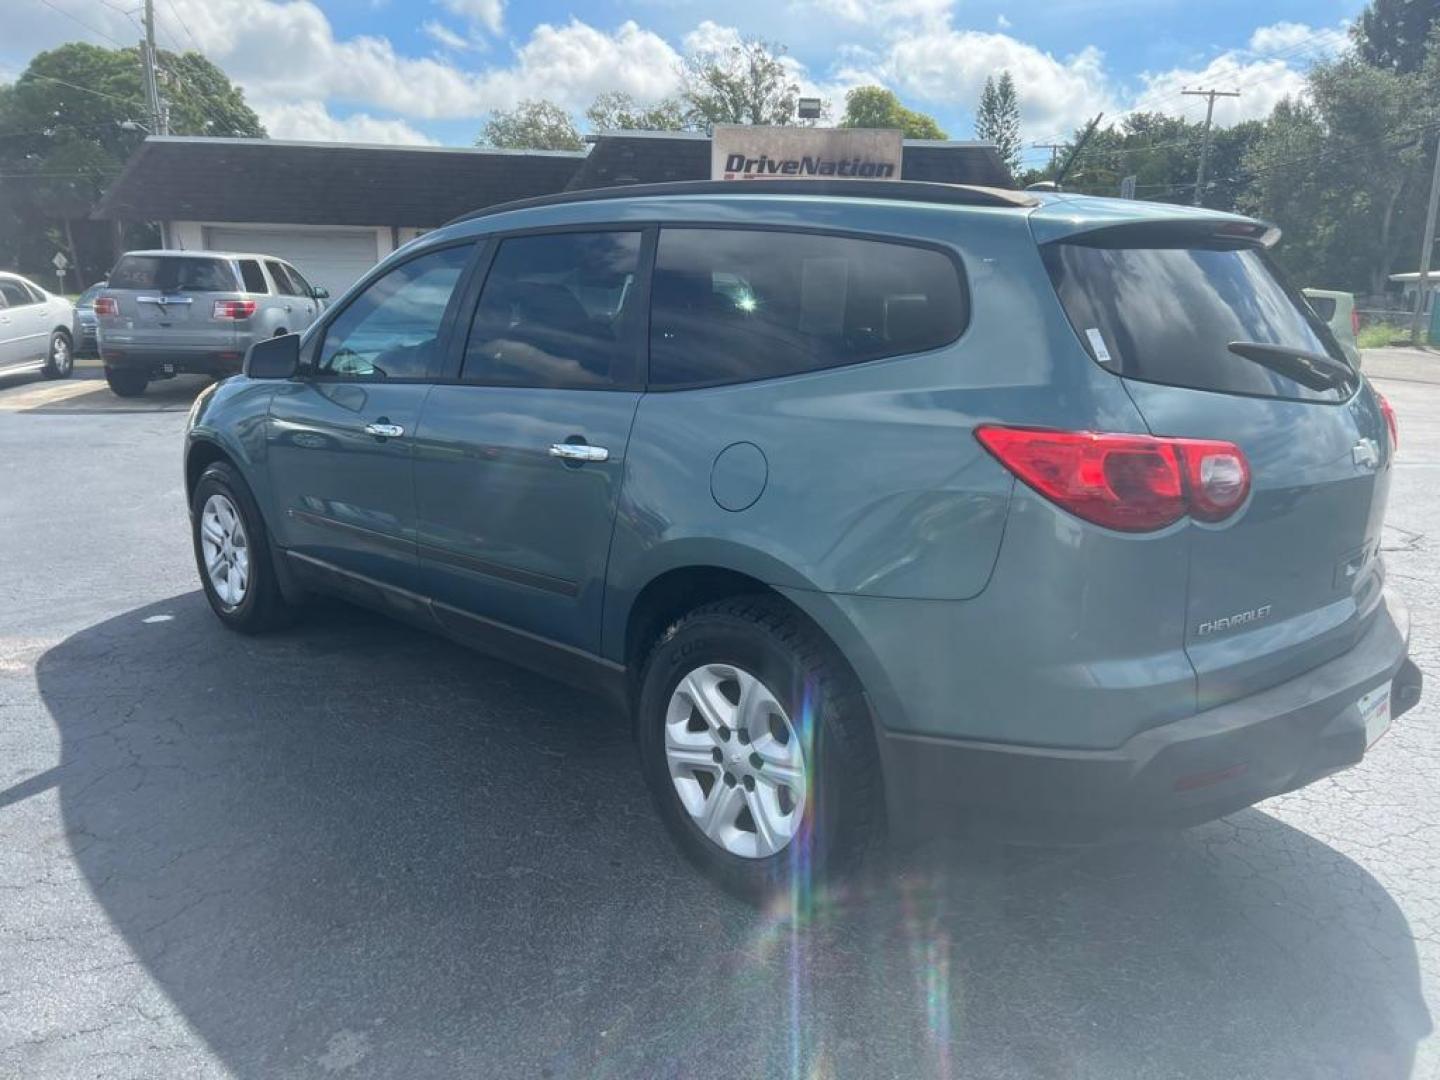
{"x": 61, "y": 264}
{"x": 744, "y": 152}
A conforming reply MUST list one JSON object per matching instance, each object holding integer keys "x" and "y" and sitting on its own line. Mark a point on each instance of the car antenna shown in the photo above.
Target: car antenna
{"x": 1075, "y": 153}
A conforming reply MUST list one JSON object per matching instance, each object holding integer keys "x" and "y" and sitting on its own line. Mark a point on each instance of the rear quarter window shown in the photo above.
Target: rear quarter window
{"x": 1324, "y": 306}
{"x": 1168, "y": 314}
{"x": 252, "y": 276}
{"x": 731, "y": 305}
{"x": 173, "y": 273}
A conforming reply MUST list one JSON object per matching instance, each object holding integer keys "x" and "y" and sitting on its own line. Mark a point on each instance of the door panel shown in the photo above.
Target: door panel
{"x": 341, "y": 493}
{"x": 341, "y": 437}
{"x": 506, "y": 530}
{"x": 517, "y": 478}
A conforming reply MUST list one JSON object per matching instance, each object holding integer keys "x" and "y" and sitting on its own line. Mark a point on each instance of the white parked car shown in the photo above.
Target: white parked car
{"x": 34, "y": 329}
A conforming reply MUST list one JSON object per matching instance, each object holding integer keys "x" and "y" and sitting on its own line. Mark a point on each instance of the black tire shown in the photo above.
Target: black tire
{"x": 263, "y": 607}
{"x": 843, "y": 816}
{"x": 60, "y": 360}
{"x": 126, "y": 382}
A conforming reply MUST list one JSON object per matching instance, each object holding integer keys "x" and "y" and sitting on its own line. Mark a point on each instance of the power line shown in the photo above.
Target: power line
{"x": 76, "y": 19}
{"x": 185, "y": 26}
{"x": 83, "y": 89}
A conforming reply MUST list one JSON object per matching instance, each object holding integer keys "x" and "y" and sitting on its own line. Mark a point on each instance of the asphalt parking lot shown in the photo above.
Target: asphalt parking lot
{"x": 356, "y": 850}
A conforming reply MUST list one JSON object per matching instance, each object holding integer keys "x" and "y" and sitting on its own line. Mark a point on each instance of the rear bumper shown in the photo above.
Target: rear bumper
{"x": 177, "y": 362}
{"x": 1181, "y": 773}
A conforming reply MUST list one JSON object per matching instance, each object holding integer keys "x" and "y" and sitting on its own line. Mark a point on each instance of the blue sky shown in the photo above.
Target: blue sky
{"x": 430, "y": 70}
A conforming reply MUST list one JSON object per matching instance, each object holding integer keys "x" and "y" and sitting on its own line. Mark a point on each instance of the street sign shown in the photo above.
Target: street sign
{"x": 1127, "y": 187}
{"x": 60, "y": 262}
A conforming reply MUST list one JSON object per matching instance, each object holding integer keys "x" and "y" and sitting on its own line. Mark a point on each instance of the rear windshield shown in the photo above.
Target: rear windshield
{"x": 173, "y": 273}
{"x": 1167, "y": 315}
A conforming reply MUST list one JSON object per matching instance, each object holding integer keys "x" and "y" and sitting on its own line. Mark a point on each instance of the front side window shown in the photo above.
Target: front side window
{"x": 301, "y": 286}
{"x": 1170, "y": 314}
{"x": 15, "y": 294}
{"x": 253, "y": 279}
{"x": 733, "y": 305}
{"x": 284, "y": 281}
{"x": 173, "y": 273}
{"x": 392, "y": 329}
{"x": 557, "y": 310}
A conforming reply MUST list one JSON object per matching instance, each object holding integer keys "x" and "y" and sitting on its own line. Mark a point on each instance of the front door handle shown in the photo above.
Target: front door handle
{"x": 384, "y": 431}
{"x": 579, "y": 452}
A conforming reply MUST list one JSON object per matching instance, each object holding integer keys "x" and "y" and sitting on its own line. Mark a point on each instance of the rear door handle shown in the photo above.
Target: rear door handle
{"x": 579, "y": 452}
{"x": 384, "y": 431}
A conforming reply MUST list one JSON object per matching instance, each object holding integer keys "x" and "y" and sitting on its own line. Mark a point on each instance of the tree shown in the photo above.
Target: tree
{"x": 998, "y": 119}
{"x": 531, "y": 125}
{"x": 743, "y": 83}
{"x": 876, "y": 107}
{"x": 1393, "y": 33}
{"x": 61, "y": 143}
{"x": 617, "y": 111}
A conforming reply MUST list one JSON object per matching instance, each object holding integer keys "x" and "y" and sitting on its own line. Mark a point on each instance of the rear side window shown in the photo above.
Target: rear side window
{"x": 735, "y": 305}
{"x": 1324, "y": 306}
{"x": 1168, "y": 314}
{"x": 558, "y": 310}
{"x": 252, "y": 277}
{"x": 173, "y": 273}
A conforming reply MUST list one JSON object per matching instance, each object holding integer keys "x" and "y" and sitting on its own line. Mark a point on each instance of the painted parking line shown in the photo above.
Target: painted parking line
{"x": 81, "y": 395}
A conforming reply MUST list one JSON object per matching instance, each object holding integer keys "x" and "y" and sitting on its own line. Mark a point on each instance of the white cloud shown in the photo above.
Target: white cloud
{"x": 1294, "y": 38}
{"x": 443, "y": 36}
{"x": 949, "y": 67}
{"x": 883, "y": 14}
{"x": 1261, "y": 84}
{"x": 312, "y": 122}
{"x": 487, "y": 13}
{"x": 1003, "y": 23}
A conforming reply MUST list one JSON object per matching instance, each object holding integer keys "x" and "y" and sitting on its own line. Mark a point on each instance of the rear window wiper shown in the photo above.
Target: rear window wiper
{"x": 1316, "y": 371}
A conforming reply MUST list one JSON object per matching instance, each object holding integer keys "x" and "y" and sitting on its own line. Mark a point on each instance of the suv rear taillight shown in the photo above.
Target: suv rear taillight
{"x": 1134, "y": 483}
{"x": 1355, "y": 321}
{"x": 234, "y": 309}
{"x": 106, "y": 305}
{"x": 1389, "y": 413}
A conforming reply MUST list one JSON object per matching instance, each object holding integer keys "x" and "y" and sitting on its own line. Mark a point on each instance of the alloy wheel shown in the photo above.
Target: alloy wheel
{"x": 736, "y": 760}
{"x": 226, "y": 549}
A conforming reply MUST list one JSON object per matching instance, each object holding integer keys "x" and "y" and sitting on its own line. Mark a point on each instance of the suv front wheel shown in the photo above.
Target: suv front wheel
{"x": 232, "y": 553}
{"x": 757, "y": 748}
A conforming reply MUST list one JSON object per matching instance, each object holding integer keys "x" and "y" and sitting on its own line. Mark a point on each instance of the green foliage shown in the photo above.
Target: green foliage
{"x": 1392, "y": 33}
{"x": 745, "y": 83}
{"x": 876, "y": 107}
{"x": 531, "y": 125}
{"x": 617, "y": 111}
{"x": 998, "y": 119}
{"x": 61, "y": 142}
{"x": 1345, "y": 175}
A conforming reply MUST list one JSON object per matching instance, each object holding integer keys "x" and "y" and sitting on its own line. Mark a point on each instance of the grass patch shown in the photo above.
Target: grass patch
{"x": 1378, "y": 335}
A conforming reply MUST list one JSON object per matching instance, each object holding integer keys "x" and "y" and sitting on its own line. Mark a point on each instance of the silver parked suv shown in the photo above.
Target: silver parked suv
{"x": 169, "y": 312}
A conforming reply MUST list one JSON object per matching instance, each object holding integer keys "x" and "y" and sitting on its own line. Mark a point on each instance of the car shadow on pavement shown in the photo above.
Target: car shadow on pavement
{"x": 353, "y": 845}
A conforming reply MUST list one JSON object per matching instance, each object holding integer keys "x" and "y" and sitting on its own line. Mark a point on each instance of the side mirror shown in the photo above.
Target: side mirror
{"x": 273, "y": 358}
{"x": 319, "y": 292}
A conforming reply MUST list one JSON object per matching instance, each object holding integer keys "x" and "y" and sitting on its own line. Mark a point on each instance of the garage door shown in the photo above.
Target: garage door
{"x": 332, "y": 258}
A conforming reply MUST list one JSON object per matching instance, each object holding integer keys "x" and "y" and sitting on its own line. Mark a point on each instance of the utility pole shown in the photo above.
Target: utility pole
{"x": 1054, "y": 149}
{"x": 152, "y": 83}
{"x": 1210, "y": 96}
{"x": 1423, "y": 285}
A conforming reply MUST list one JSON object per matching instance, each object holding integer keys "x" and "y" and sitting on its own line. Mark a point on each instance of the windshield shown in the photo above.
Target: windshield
{"x": 1169, "y": 314}
{"x": 173, "y": 273}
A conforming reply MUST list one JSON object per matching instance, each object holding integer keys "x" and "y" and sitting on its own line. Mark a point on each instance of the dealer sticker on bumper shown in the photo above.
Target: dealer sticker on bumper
{"x": 1375, "y": 711}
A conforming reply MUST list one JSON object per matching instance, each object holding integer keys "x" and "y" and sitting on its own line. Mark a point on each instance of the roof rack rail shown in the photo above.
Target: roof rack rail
{"x": 898, "y": 190}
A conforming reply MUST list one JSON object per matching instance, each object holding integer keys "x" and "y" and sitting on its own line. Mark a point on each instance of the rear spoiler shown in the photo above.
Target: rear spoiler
{"x": 1126, "y": 223}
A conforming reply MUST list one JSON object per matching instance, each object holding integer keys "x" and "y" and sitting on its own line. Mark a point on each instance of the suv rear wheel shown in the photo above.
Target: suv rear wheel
{"x": 126, "y": 383}
{"x": 756, "y": 748}
{"x": 233, "y": 555}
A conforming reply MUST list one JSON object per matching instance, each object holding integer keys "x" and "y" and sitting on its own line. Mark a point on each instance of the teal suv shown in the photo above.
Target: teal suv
{"x": 881, "y": 507}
